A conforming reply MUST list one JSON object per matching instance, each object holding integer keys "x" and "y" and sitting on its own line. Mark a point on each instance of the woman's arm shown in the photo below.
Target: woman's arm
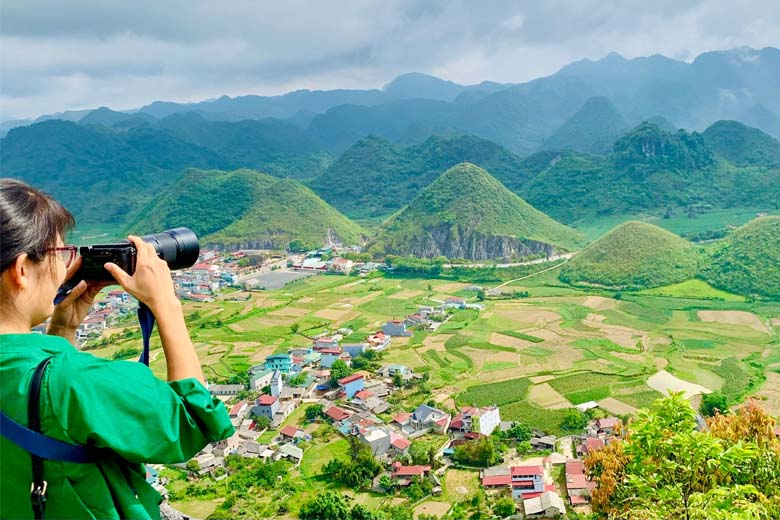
{"x": 151, "y": 284}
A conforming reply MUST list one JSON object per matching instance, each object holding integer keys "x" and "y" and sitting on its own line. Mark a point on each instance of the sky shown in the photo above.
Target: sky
{"x": 60, "y": 55}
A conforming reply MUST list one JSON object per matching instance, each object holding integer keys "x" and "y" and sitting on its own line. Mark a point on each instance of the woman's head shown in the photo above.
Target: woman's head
{"x": 32, "y": 224}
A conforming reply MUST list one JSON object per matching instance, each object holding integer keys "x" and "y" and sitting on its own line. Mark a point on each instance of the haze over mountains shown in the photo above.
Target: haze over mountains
{"x": 596, "y": 139}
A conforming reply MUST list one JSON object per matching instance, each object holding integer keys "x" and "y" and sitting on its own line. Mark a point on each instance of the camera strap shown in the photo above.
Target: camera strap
{"x": 146, "y": 319}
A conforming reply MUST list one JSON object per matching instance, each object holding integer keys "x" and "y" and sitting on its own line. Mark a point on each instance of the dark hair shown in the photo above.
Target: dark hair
{"x": 30, "y": 222}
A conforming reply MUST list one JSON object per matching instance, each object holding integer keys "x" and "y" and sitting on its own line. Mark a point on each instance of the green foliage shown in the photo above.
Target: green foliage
{"x": 499, "y": 394}
{"x": 746, "y": 261}
{"x": 326, "y": 506}
{"x": 359, "y": 470}
{"x": 666, "y": 468}
{"x": 466, "y": 205}
{"x": 635, "y": 255}
{"x": 485, "y": 451}
{"x": 742, "y": 145}
{"x": 125, "y": 353}
{"x": 262, "y": 422}
{"x": 339, "y": 370}
{"x": 263, "y": 210}
{"x": 713, "y": 403}
{"x": 574, "y": 420}
{"x": 314, "y": 412}
{"x": 650, "y": 171}
{"x": 504, "y": 507}
{"x": 351, "y": 183}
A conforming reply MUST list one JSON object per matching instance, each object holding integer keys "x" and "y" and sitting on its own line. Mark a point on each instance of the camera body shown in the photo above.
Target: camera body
{"x": 179, "y": 247}
{"x": 94, "y": 257}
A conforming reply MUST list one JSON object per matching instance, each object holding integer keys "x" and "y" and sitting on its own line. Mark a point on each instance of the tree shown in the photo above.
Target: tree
{"x": 504, "y": 507}
{"x": 339, "y": 370}
{"x": 262, "y": 422}
{"x": 387, "y": 483}
{"x": 314, "y": 412}
{"x": 326, "y": 506}
{"x": 574, "y": 420}
{"x": 398, "y": 380}
{"x": 484, "y": 451}
{"x": 713, "y": 403}
{"x": 193, "y": 466}
{"x": 520, "y": 432}
{"x": 666, "y": 468}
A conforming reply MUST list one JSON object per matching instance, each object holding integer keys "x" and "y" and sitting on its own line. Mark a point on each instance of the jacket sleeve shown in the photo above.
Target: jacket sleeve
{"x": 122, "y": 406}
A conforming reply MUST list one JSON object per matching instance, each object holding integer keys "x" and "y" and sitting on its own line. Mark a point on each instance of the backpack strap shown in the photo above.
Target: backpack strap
{"x": 39, "y": 446}
{"x": 38, "y": 487}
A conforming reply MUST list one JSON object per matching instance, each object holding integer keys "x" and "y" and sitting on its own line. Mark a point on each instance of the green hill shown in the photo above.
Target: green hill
{"x": 247, "y": 208}
{"x": 634, "y": 255}
{"x": 467, "y": 213}
{"x": 374, "y": 177}
{"x": 649, "y": 171}
{"x": 101, "y": 175}
{"x": 593, "y": 129}
{"x": 742, "y": 145}
{"x": 747, "y": 261}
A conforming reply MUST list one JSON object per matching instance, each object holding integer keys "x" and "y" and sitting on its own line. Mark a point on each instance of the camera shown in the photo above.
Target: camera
{"x": 179, "y": 247}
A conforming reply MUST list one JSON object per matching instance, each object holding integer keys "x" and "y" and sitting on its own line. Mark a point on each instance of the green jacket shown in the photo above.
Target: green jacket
{"x": 117, "y": 405}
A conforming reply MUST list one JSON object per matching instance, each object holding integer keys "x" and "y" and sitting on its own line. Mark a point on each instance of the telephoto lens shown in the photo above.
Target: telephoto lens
{"x": 179, "y": 247}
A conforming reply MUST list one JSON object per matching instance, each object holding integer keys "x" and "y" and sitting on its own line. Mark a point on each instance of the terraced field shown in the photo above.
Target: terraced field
{"x": 534, "y": 356}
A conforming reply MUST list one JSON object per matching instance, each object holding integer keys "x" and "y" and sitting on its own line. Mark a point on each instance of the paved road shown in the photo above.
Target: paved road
{"x": 514, "y": 264}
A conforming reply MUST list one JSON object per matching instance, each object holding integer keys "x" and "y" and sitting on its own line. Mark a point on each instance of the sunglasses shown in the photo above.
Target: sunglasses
{"x": 66, "y": 253}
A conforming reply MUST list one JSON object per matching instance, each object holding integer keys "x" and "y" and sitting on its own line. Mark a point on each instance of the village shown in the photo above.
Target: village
{"x": 343, "y": 384}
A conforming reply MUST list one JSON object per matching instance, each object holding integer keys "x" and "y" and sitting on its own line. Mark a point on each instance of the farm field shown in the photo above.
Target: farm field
{"x": 534, "y": 356}
{"x": 587, "y": 346}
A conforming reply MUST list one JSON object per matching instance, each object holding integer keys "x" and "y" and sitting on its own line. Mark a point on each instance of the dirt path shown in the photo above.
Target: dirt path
{"x": 537, "y": 272}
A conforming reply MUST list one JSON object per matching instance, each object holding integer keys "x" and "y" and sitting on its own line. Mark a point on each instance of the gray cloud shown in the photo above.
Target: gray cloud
{"x": 84, "y": 53}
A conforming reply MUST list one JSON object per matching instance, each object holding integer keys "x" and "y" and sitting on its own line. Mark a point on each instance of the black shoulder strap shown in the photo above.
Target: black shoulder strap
{"x": 38, "y": 488}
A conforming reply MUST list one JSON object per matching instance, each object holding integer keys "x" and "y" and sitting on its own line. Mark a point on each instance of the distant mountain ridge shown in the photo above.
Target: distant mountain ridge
{"x": 738, "y": 84}
{"x": 593, "y": 129}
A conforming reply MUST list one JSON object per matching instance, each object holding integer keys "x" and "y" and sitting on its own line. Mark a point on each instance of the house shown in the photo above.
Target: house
{"x": 294, "y": 453}
{"x": 454, "y": 302}
{"x": 607, "y": 425}
{"x": 395, "y": 328}
{"x": 526, "y": 479}
{"x": 590, "y": 445}
{"x": 398, "y": 444}
{"x": 578, "y": 487}
{"x": 544, "y": 443}
{"x": 291, "y": 433}
{"x": 355, "y": 349}
{"x": 337, "y": 414}
{"x": 392, "y": 370}
{"x": 405, "y": 475}
{"x": 428, "y": 418}
{"x": 259, "y": 379}
{"x": 266, "y": 406}
{"x": 547, "y": 505}
{"x": 285, "y": 409}
{"x": 350, "y": 385}
{"x": 238, "y": 410}
{"x": 225, "y": 389}
{"x": 478, "y": 420}
{"x": 377, "y": 439}
{"x": 342, "y": 265}
{"x": 329, "y": 356}
{"x": 378, "y": 341}
{"x": 276, "y": 383}
{"x": 280, "y": 362}
{"x": 402, "y": 418}
{"x": 326, "y": 343}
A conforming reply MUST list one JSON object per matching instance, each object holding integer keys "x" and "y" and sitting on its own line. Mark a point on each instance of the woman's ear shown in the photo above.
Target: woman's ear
{"x": 20, "y": 271}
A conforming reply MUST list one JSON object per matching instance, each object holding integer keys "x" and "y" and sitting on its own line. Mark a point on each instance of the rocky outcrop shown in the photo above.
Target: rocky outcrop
{"x": 455, "y": 242}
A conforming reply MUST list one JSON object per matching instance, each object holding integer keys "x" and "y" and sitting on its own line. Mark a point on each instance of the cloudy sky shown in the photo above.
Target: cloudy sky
{"x": 75, "y": 54}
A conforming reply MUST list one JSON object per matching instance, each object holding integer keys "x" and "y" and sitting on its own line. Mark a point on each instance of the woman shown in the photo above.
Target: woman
{"x": 118, "y": 407}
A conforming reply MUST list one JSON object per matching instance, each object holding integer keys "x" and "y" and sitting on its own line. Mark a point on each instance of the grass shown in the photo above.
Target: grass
{"x": 520, "y": 335}
{"x": 579, "y": 388}
{"x": 695, "y": 288}
{"x": 548, "y": 421}
{"x": 317, "y": 455}
{"x": 640, "y": 399}
{"x": 500, "y": 393}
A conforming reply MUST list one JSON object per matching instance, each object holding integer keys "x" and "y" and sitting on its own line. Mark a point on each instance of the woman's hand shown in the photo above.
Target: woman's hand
{"x": 151, "y": 283}
{"x": 72, "y": 310}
